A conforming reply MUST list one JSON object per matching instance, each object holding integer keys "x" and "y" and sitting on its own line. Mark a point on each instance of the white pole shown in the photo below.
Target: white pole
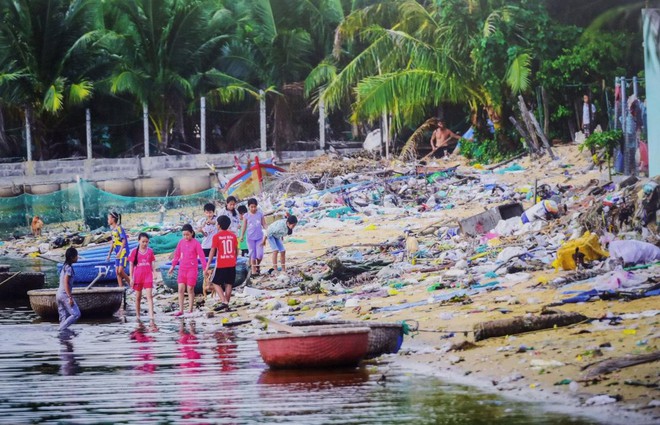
{"x": 145, "y": 123}
{"x": 81, "y": 198}
{"x": 28, "y": 134}
{"x": 262, "y": 119}
{"x": 88, "y": 128}
{"x": 386, "y": 135}
{"x": 202, "y": 125}
{"x": 321, "y": 122}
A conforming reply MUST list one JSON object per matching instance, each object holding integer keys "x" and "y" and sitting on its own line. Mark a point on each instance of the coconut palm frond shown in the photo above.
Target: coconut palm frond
{"x": 409, "y": 150}
{"x": 518, "y": 74}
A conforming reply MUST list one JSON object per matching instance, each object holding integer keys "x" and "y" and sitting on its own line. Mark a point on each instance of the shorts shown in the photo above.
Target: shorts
{"x": 225, "y": 276}
{"x": 245, "y": 252}
{"x": 121, "y": 262}
{"x": 187, "y": 276}
{"x": 207, "y": 251}
{"x": 276, "y": 243}
{"x": 138, "y": 286}
{"x": 256, "y": 248}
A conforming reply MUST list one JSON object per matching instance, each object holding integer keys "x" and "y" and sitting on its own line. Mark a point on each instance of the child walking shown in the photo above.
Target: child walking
{"x": 254, "y": 224}
{"x": 66, "y": 306}
{"x": 143, "y": 267}
{"x": 224, "y": 276}
{"x": 242, "y": 244}
{"x": 275, "y": 234}
{"x": 207, "y": 227}
{"x": 188, "y": 250}
{"x": 119, "y": 246}
{"x": 232, "y": 214}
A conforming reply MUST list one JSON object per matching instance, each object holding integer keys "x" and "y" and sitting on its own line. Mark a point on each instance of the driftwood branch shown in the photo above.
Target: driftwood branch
{"x": 524, "y": 113}
{"x": 522, "y": 324}
{"x": 545, "y": 140}
{"x": 604, "y": 367}
{"x": 524, "y": 135}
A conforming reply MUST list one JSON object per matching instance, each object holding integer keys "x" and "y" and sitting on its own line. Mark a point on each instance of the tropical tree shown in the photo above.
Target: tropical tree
{"x": 45, "y": 62}
{"x": 279, "y": 42}
{"x": 417, "y": 57}
{"x": 165, "y": 51}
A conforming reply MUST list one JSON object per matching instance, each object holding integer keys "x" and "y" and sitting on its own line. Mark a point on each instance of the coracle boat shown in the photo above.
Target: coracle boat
{"x": 319, "y": 348}
{"x": 93, "y": 302}
{"x": 17, "y": 284}
{"x": 384, "y": 338}
{"x": 171, "y": 281}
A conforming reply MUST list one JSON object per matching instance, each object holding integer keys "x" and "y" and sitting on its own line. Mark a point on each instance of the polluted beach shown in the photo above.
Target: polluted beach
{"x": 309, "y": 212}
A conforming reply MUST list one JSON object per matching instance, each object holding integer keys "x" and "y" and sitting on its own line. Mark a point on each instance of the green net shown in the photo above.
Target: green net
{"x": 85, "y": 204}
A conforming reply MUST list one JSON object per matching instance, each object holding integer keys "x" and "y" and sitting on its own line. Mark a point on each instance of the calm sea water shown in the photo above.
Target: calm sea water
{"x": 180, "y": 371}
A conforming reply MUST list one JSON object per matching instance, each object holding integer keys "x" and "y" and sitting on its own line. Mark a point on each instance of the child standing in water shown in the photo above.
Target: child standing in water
{"x": 254, "y": 224}
{"x": 188, "y": 250}
{"x": 242, "y": 244}
{"x": 66, "y": 306}
{"x": 275, "y": 235}
{"x": 224, "y": 276}
{"x": 143, "y": 267}
{"x": 119, "y": 246}
{"x": 207, "y": 226}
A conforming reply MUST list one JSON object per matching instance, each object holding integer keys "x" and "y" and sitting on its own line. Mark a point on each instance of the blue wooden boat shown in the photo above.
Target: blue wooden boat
{"x": 242, "y": 269}
{"x": 92, "y": 263}
{"x": 86, "y": 272}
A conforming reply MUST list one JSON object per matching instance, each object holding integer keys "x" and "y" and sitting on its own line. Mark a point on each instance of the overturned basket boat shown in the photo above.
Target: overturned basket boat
{"x": 94, "y": 302}
{"x": 171, "y": 281}
{"x": 384, "y": 338}
{"x": 322, "y": 348}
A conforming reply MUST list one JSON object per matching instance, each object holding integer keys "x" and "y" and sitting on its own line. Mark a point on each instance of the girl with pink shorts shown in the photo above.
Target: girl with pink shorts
{"x": 188, "y": 250}
{"x": 143, "y": 268}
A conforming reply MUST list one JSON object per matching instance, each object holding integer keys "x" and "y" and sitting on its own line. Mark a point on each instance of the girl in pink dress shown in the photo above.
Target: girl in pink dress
{"x": 186, "y": 254}
{"x": 143, "y": 268}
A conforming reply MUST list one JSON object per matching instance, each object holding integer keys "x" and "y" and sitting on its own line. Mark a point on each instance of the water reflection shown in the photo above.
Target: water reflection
{"x": 146, "y": 387}
{"x": 70, "y": 365}
{"x": 187, "y": 372}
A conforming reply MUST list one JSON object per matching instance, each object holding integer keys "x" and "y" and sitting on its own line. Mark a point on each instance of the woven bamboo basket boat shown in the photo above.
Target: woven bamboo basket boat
{"x": 322, "y": 348}
{"x": 384, "y": 338}
{"x": 94, "y": 302}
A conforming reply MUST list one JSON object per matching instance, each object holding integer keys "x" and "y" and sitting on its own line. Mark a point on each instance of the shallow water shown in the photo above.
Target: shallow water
{"x": 172, "y": 371}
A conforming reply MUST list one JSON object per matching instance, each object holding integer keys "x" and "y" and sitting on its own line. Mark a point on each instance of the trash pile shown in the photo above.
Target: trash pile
{"x": 454, "y": 246}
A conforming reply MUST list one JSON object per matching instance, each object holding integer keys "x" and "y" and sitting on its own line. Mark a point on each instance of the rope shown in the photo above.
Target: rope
{"x": 10, "y": 278}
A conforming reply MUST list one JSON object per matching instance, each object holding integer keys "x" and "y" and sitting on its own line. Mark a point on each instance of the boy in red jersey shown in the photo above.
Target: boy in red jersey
{"x": 225, "y": 244}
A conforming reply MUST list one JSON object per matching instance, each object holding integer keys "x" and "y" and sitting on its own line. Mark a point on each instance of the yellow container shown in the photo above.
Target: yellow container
{"x": 587, "y": 244}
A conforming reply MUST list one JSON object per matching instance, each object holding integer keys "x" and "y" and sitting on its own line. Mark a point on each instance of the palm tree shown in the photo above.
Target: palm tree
{"x": 280, "y": 41}
{"x": 44, "y": 62}
{"x": 165, "y": 53}
{"x": 417, "y": 57}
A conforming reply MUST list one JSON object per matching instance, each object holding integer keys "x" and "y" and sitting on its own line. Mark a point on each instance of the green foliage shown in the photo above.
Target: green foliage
{"x": 606, "y": 140}
{"x": 482, "y": 151}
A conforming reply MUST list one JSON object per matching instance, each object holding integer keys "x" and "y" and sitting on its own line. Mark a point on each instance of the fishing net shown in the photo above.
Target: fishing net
{"x": 86, "y": 204}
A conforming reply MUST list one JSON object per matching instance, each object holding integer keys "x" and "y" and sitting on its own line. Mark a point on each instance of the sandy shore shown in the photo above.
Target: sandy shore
{"x": 543, "y": 366}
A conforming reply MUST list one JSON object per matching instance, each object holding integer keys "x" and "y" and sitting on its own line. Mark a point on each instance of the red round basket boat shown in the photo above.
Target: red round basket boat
{"x": 316, "y": 349}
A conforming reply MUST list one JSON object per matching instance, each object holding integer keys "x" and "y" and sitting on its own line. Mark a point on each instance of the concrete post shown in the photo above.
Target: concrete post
{"x": 28, "y": 134}
{"x": 88, "y": 131}
{"x": 616, "y": 105}
{"x": 386, "y": 134}
{"x": 262, "y": 119}
{"x": 321, "y": 122}
{"x": 145, "y": 124}
{"x": 202, "y": 126}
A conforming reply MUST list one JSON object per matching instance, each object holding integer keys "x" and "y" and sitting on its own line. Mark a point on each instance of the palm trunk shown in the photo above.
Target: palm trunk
{"x": 4, "y": 143}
